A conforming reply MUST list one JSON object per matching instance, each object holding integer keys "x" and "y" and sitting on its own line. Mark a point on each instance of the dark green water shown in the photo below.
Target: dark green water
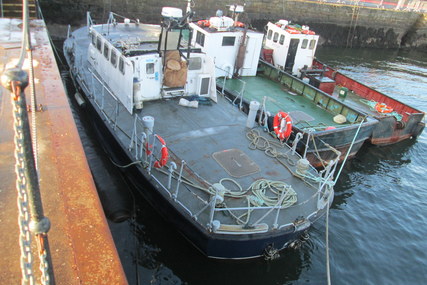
{"x": 377, "y": 224}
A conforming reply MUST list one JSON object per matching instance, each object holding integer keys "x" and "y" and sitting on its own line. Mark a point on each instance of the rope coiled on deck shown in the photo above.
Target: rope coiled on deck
{"x": 260, "y": 195}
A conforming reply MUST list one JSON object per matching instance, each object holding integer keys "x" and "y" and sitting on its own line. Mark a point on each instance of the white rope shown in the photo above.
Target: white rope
{"x": 260, "y": 188}
{"x": 328, "y": 272}
{"x": 231, "y": 193}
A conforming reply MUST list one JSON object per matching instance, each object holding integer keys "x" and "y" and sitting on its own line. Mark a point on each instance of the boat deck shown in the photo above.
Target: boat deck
{"x": 355, "y": 102}
{"x": 205, "y": 137}
{"x": 303, "y": 111}
{"x": 80, "y": 242}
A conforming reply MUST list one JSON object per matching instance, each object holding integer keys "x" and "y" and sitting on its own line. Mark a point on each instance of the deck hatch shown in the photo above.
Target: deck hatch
{"x": 236, "y": 162}
{"x": 298, "y": 116}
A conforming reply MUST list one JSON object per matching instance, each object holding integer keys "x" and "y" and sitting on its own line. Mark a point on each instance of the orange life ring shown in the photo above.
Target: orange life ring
{"x": 164, "y": 150}
{"x": 282, "y": 125}
{"x": 293, "y": 31}
{"x": 239, "y": 24}
{"x": 383, "y": 108}
{"x": 308, "y": 32}
{"x": 203, "y": 23}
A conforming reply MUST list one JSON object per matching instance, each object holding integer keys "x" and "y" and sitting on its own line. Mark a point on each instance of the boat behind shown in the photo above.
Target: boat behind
{"x": 296, "y": 55}
{"x": 397, "y": 120}
{"x": 243, "y": 77}
{"x": 314, "y": 113}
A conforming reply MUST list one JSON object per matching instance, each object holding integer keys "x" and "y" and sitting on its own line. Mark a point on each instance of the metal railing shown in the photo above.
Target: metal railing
{"x": 237, "y": 92}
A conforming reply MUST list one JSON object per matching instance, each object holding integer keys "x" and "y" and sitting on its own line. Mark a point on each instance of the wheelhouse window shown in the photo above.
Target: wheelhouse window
{"x": 106, "y": 51}
{"x": 269, "y": 34}
{"x": 228, "y": 41}
{"x": 194, "y": 63}
{"x": 275, "y": 37}
{"x": 122, "y": 65}
{"x": 304, "y": 44}
{"x": 113, "y": 58}
{"x": 99, "y": 44}
{"x": 149, "y": 68}
{"x": 282, "y": 39}
{"x": 312, "y": 44}
{"x": 200, "y": 38}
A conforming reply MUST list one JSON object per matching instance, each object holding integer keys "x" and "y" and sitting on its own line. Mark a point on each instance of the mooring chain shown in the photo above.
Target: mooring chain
{"x": 44, "y": 264}
{"x": 21, "y": 186}
{"x": 31, "y": 219}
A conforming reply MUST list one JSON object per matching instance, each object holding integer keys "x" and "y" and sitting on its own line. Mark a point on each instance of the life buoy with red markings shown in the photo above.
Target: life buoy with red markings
{"x": 282, "y": 125}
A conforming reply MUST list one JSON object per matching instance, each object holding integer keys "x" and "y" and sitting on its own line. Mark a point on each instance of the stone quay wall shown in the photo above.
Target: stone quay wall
{"x": 337, "y": 24}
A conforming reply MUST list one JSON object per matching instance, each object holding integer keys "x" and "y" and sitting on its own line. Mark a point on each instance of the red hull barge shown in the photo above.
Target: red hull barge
{"x": 391, "y": 129}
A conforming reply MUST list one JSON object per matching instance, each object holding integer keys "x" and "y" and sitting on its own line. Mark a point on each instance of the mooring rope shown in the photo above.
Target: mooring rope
{"x": 259, "y": 189}
{"x": 328, "y": 271}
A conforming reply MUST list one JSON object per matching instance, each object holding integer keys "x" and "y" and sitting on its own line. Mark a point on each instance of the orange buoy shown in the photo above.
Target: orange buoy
{"x": 308, "y": 32}
{"x": 293, "y": 31}
{"x": 239, "y": 24}
{"x": 383, "y": 108}
{"x": 203, "y": 23}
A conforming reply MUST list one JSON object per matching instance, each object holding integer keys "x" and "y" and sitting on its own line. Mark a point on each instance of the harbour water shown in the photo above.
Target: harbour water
{"x": 377, "y": 222}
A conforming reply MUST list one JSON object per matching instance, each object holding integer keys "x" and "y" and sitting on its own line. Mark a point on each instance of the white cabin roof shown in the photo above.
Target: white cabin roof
{"x": 131, "y": 38}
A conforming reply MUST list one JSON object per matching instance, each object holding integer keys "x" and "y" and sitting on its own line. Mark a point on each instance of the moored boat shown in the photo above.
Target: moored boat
{"x": 296, "y": 55}
{"x": 316, "y": 117}
{"x": 397, "y": 120}
{"x": 208, "y": 168}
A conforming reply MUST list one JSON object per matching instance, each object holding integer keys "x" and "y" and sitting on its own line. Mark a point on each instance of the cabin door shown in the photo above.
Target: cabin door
{"x": 151, "y": 79}
{"x": 292, "y": 51}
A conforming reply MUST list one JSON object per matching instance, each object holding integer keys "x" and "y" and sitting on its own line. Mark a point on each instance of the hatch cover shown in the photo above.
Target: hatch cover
{"x": 300, "y": 116}
{"x": 236, "y": 162}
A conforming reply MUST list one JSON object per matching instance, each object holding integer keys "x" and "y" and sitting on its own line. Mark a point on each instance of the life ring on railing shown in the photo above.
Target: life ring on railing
{"x": 383, "y": 108}
{"x": 164, "y": 151}
{"x": 204, "y": 23}
{"x": 282, "y": 125}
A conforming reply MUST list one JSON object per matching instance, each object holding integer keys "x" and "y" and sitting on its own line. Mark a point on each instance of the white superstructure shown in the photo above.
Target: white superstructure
{"x": 140, "y": 62}
{"x": 234, "y": 49}
{"x": 293, "y": 47}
